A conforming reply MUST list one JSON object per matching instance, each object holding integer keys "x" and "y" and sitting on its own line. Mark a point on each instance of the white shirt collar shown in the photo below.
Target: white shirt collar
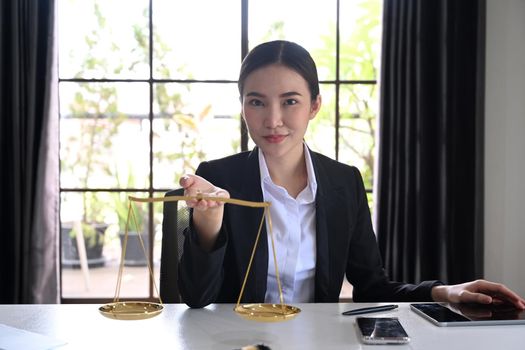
{"x": 308, "y": 194}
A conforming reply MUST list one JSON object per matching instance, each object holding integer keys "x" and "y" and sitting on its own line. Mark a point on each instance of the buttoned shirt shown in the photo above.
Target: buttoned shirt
{"x": 293, "y": 228}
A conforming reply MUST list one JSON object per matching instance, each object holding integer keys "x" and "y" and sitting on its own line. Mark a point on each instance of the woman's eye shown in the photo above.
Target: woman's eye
{"x": 255, "y": 102}
{"x": 290, "y": 101}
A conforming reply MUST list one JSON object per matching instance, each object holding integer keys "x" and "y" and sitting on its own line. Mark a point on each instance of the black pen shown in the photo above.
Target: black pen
{"x": 368, "y": 310}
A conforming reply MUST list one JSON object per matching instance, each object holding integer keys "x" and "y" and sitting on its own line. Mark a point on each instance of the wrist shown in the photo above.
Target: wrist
{"x": 207, "y": 225}
{"x": 439, "y": 293}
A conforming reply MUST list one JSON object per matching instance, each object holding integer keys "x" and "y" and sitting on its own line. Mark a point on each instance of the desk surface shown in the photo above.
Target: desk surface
{"x": 318, "y": 326}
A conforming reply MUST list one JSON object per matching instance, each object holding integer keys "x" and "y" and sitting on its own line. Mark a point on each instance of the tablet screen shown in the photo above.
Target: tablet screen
{"x": 444, "y": 314}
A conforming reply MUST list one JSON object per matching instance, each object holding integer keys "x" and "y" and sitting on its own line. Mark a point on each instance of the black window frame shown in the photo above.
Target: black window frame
{"x": 151, "y": 191}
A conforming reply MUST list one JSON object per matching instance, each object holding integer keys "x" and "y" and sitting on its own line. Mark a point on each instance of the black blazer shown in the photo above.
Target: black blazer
{"x": 346, "y": 243}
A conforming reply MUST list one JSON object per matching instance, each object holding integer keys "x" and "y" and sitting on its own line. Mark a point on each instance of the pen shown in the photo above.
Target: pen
{"x": 368, "y": 310}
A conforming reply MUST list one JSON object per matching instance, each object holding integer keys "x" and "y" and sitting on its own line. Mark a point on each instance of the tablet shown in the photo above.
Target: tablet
{"x": 446, "y": 314}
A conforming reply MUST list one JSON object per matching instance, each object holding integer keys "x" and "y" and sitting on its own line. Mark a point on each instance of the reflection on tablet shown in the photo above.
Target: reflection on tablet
{"x": 444, "y": 314}
{"x": 488, "y": 312}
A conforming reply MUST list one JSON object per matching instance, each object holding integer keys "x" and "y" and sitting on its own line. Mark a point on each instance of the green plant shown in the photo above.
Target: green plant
{"x": 121, "y": 203}
{"x": 93, "y": 235}
{"x": 91, "y": 223}
{"x": 136, "y": 221}
{"x": 85, "y": 153}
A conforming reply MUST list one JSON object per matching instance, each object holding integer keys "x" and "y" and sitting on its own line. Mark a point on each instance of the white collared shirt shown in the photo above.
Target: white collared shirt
{"x": 293, "y": 223}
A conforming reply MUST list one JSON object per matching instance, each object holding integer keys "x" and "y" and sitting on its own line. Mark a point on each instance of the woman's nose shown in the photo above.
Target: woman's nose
{"x": 273, "y": 118}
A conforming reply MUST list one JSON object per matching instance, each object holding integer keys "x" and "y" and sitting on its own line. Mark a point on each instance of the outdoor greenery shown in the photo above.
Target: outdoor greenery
{"x": 121, "y": 205}
{"x": 97, "y": 124}
{"x": 359, "y": 54}
{"x": 84, "y": 153}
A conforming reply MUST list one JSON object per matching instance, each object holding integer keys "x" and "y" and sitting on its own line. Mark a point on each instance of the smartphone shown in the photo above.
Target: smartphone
{"x": 381, "y": 330}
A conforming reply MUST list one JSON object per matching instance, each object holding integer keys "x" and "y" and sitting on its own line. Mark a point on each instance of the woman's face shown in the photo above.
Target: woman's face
{"x": 277, "y": 106}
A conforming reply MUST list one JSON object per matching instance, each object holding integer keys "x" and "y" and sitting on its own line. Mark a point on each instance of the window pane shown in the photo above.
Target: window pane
{"x": 193, "y": 122}
{"x": 105, "y": 127}
{"x": 320, "y": 135}
{"x": 104, "y": 135}
{"x": 98, "y": 41}
{"x": 360, "y": 38}
{"x": 197, "y": 39}
{"x": 358, "y": 112}
{"x": 100, "y": 218}
{"x": 310, "y": 23}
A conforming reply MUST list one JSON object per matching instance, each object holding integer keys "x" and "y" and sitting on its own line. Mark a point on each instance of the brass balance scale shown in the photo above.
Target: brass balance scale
{"x": 138, "y": 310}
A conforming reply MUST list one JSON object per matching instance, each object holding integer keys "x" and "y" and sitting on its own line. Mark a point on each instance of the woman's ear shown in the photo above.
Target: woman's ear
{"x": 315, "y": 107}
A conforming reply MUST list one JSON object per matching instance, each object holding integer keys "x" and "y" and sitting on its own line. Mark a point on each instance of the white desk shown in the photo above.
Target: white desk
{"x": 318, "y": 326}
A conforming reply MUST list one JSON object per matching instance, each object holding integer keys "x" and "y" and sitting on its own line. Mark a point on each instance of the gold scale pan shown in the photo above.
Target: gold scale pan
{"x": 139, "y": 310}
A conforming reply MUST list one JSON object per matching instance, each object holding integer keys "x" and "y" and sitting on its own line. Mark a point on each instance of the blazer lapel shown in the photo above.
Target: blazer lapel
{"x": 255, "y": 288}
{"x": 327, "y": 201}
{"x": 322, "y": 272}
{"x": 325, "y": 217}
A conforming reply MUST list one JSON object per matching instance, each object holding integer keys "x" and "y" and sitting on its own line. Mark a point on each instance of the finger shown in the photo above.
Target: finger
{"x": 503, "y": 293}
{"x": 222, "y": 193}
{"x": 200, "y": 206}
{"x": 206, "y": 204}
{"x": 516, "y": 302}
{"x": 186, "y": 181}
{"x": 210, "y": 203}
{"x": 192, "y": 203}
{"x": 216, "y": 193}
{"x": 473, "y": 297}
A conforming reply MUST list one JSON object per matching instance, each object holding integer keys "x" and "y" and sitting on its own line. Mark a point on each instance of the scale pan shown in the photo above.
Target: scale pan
{"x": 131, "y": 310}
{"x": 267, "y": 312}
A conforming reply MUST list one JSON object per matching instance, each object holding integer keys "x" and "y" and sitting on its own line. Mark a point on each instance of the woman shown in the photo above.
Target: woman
{"x": 321, "y": 221}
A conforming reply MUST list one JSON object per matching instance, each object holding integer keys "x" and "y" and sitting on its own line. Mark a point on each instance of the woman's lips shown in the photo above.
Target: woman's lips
{"x": 274, "y": 138}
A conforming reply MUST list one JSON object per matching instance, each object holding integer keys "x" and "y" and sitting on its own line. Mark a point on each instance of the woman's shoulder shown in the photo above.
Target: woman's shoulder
{"x": 229, "y": 170}
{"x": 229, "y": 161}
{"x": 331, "y": 173}
{"x": 329, "y": 164}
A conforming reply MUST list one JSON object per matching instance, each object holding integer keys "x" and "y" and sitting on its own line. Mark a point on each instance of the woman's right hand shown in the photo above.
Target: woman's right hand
{"x": 207, "y": 214}
{"x": 195, "y": 185}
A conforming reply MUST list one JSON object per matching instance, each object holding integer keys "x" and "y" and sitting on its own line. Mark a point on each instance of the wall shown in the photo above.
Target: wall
{"x": 505, "y": 144}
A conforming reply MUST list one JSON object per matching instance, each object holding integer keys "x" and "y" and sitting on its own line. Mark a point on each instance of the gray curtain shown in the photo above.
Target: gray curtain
{"x": 29, "y": 153}
{"x": 430, "y": 184}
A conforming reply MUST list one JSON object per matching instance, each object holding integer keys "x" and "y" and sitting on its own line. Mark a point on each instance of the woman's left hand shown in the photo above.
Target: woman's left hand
{"x": 478, "y": 291}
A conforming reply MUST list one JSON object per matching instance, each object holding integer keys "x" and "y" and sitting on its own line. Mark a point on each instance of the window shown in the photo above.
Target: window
{"x": 147, "y": 93}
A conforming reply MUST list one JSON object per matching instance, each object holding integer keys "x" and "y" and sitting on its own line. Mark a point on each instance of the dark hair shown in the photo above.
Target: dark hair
{"x": 282, "y": 52}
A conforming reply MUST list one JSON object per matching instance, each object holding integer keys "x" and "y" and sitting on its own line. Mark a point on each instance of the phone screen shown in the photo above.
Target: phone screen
{"x": 381, "y": 330}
